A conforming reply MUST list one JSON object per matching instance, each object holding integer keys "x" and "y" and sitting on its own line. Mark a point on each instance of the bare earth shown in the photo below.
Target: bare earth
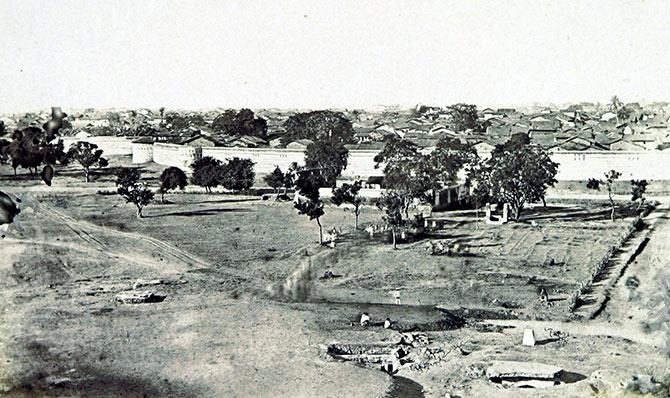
{"x": 220, "y": 332}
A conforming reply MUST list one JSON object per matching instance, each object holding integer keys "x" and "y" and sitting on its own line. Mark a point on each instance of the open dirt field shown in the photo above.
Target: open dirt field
{"x": 222, "y": 331}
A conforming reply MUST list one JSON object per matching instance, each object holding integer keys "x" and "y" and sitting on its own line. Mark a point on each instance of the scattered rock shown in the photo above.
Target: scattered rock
{"x": 141, "y": 283}
{"x": 140, "y": 297}
{"x": 644, "y": 384}
{"x": 54, "y": 381}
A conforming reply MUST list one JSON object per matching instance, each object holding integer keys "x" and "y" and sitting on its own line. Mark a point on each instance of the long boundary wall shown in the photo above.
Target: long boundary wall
{"x": 109, "y": 145}
{"x": 582, "y": 165}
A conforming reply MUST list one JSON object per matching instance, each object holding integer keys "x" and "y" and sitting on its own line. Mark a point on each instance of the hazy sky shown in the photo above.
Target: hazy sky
{"x": 315, "y": 54}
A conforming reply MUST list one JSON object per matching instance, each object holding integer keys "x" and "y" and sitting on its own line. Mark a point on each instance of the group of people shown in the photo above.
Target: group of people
{"x": 365, "y": 321}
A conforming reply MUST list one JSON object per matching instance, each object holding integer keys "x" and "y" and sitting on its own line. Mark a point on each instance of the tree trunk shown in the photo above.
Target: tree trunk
{"x": 162, "y": 197}
{"x": 356, "y": 213}
{"x": 320, "y": 231}
{"x": 517, "y": 213}
{"x": 544, "y": 202}
{"x": 14, "y": 171}
{"x": 612, "y": 204}
{"x": 86, "y": 173}
{"x": 139, "y": 212}
{"x": 393, "y": 235}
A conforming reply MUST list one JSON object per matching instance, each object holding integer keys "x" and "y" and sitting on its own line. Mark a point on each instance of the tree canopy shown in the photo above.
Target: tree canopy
{"x": 172, "y": 178}
{"x": 242, "y": 122}
{"x": 518, "y": 173}
{"x": 87, "y": 155}
{"x": 207, "y": 173}
{"x": 132, "y": 189}
{"x": 317, "y": 126}
{"x": 463, "y": 117}
{"x": 329, "y": 158}
{"x": 349, "y": 194}
{"x": 308, "y": 201}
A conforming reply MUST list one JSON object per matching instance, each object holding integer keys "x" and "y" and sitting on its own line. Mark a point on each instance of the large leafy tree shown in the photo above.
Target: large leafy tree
{"x": 87, "y": 155}
{"x": 176, "y": 121}
{"x": 243, "y": 122}
{"x": 317, "y": 126}
{"x": 392, "y": 204}
{"x": 131, "y": 187}
{"x": 463, "y": 116}
{"x": 349, "y": 194}
{"x": 518, "y": 173}
{"x": 328, "y": 157}
{"x": 172, "y": 178}
{"x": 408, "y": 172}
{"x": 275, "y": 179}
{"x": 207, "y": 173}
{"x": 308, "y": 201}
{"x": 610, "y": 177}
{"x": 237, "y": 174}
{"x": 30, "y": 148}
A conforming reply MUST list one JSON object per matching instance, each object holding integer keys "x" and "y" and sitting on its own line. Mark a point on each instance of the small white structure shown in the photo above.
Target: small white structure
{"x": 365, "y": 319}
{"x": 496, "y": 220}
{"x": 528, "y": 337}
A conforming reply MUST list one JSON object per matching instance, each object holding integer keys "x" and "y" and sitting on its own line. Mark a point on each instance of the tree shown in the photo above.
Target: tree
{"x": 610, "y": 177}
{"x": 172, "y": 178}
{"x": 328, "y": 157}
{"x": 638, "y": 190}
{"x": 31, "y": 148}
{"x": 87, "y": 155}
{"x": 392, "y": 204}
{"x": 243, "y": 122}
{"x": 349, "y": 193}
{"x": 308, "y": 202}
{"x": 318, "y": 125}
{"x": 620, "y": 109}
{"x": 518, "y": 173}
{"x": 175, "y": 121}
{"x": 463, "y": 117}
{"x": 237, "y": 174}
{"x": 207, "y": 173}
{"x": 408, "y": 172}
{"x": 275, "y": 179}
{"x": 132, "y": 189}
{"x": 290, "y": 176}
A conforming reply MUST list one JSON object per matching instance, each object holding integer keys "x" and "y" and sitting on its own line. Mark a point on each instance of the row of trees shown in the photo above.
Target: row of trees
{"x": 638, "y": 189}
{"x": 235, "y": 174}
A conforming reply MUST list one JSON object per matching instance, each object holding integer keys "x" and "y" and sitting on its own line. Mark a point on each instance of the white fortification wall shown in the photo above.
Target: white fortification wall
{"x": 265, "y": 159}
{"x": 650, "y": 165}
{"x": 175, "y": 155}
{"x": 582, "y": 165}
{"x": 142, "y": 152}
{"x": 109, "y": 145}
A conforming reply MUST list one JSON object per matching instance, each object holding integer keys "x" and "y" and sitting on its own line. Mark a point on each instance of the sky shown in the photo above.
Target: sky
{"x": 319, "y": 54}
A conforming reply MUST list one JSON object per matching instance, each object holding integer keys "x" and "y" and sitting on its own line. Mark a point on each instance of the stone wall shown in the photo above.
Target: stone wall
{"x": 143, "y": 153}
{"x": 109, "y": 145}
{"x": 650, "y": 165}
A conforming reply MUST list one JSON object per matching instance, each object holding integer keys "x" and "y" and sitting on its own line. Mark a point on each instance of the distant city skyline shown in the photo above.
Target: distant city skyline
{"x": 343, "y": 54}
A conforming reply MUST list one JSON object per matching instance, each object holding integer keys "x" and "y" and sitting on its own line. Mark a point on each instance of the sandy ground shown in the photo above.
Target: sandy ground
{"x": 62, "y": 333}
{"x": 60, "y": 337}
